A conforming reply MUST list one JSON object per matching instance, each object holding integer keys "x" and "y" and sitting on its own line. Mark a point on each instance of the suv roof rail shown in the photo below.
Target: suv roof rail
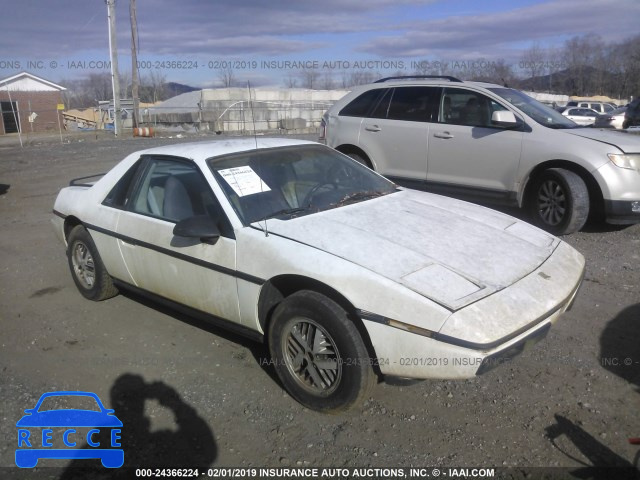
{"x": 402, "y": 77}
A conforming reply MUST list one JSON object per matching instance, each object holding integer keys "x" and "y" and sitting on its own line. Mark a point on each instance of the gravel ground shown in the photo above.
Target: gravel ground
{"x": 192, "y": 395}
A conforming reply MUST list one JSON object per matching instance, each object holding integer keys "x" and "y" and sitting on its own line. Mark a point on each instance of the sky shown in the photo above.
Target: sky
{"x": 192, "y": 41}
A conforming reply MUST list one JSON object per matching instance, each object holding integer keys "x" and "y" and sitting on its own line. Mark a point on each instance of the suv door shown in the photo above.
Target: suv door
{"x": 395, "y": 133}
{"x": 469, "y": 156}
{"x": 185, "y": 270}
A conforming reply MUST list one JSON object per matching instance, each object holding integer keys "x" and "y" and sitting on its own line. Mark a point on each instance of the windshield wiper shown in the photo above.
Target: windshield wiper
{"x": 286, "y": 211}
{"x": 358, "y": 196}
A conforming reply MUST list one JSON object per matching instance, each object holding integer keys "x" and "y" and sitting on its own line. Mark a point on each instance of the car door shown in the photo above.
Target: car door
{"x": 469, "y": 156}
{"x": 185, "y": 270}
{"x": 395, "y": 134}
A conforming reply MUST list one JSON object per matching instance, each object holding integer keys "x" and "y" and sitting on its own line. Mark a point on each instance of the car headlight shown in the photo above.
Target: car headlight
{"x": 626, "y": 160}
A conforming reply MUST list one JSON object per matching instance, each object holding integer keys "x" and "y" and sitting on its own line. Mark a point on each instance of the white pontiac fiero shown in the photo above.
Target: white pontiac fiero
{"x": 344, "y": 274}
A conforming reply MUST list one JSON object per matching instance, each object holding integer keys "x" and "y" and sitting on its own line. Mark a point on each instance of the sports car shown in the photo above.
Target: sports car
{"x": 345, "y": 276}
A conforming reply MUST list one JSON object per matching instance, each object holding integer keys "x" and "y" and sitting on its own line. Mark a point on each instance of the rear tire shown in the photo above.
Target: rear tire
{"x": 318, "y": 353}
{"x": 559, "y": 201}
{"x": 88, "y": 271}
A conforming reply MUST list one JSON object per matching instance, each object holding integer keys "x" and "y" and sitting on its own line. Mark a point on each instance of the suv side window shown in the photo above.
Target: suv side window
{"x": 382, "y": 108}
{"x": 466, "y": 107}
{"x": 414, "y": 104}
{"x": 363, "y": 103}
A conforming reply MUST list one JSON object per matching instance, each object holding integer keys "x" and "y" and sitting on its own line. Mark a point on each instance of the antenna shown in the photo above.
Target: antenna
{"x": 255, "y": 138}
{"x": 253, "y": 117}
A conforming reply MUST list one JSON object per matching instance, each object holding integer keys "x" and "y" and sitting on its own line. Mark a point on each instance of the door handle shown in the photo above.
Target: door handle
{"x": 372, "y": 128}
{"x": 443, "y": 135}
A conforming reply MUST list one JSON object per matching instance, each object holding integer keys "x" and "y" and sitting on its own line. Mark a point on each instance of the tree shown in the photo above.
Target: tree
{"x": 227, "y": 77}
{"x": 532, "y": 61}
{"x": 326, "y": 82}
{"x": 309, "y": 77}
{"x": 290, "y": 81}
{"x": 153, "y": 87}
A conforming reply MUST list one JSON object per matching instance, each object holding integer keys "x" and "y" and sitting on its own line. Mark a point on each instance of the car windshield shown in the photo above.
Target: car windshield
{"x": 542, "y": 114}
{"x": 67, "y": 402}
{"x": 291, "y": 181}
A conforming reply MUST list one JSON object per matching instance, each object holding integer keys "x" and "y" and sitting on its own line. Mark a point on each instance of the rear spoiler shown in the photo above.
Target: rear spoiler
{"x": 80, "y": 181}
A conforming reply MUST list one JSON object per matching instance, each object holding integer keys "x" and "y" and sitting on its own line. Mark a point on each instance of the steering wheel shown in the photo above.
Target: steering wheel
{"x": 314, "y": 190}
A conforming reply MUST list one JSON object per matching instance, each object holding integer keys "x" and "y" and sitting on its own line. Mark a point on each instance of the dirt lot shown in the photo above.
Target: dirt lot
{"x": 192, "y": 395}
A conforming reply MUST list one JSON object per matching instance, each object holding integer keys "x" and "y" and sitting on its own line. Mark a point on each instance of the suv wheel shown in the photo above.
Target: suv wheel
{"x": 559, "y": 201}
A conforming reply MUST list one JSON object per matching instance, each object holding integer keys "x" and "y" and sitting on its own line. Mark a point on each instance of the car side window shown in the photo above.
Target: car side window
{"x": 414, "y": 104}
{"x": 466, "y": 107}
{"x": 173, "y": 190}
{"x": 381, "y": 110}
{"x": 361, "y": 106}
{"x": 121, "y": 191}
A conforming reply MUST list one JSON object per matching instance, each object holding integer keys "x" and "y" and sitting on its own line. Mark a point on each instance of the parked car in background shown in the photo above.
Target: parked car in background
{"x": 613, "y": 119}
{"x": 582, "y": 116}
{"x": 599, "y": 107}
{"x": 632, "y": 115}
{"x": 490, "y": 144}
{"x": 339, "y": 271}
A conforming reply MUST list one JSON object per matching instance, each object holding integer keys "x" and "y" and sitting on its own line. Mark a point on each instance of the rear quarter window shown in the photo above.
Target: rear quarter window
{"x": 361, "y": 105}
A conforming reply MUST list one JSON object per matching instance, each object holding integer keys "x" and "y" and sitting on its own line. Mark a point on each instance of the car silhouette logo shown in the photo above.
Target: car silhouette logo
{"x": 37, "y": 438}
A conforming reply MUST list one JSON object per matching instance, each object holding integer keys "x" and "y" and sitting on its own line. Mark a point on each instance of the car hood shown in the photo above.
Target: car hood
{"x": 450, "y": 251}
{"x": 625, "y": 142}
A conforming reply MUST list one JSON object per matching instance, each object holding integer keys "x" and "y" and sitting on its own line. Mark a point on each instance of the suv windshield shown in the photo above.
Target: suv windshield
{"x": 291, "y": 181}
{"x": 542, "y": 114}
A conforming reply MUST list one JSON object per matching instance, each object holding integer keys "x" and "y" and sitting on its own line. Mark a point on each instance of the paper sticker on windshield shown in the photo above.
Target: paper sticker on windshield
{"x": 244, "y": 180}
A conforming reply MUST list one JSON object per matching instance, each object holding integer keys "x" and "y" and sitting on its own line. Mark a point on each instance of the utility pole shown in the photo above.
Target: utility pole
{"x": 115, "y": 79}
{"x": 134, "y": 61}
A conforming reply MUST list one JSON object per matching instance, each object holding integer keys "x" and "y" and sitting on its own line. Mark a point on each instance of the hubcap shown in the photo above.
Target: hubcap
{"x": 83, "y": 265}
{"x": 552, "y": 202}
{"x": 312, "y": 357}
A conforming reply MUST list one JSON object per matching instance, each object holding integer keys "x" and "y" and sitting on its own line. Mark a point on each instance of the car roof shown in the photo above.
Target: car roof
{"x": 213, "y": 148}
{"x": 394, "y": 82}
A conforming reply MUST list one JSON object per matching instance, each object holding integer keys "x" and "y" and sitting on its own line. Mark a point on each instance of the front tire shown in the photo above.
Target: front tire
{"x": 88, "y": 271}
{"x": 318, "y": 353}
{"x": 559, "y": 201}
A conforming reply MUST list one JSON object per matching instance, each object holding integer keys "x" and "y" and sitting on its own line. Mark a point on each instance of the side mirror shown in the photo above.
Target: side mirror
{"x": 200, "y": 226}
{"x": 504, "y": 118}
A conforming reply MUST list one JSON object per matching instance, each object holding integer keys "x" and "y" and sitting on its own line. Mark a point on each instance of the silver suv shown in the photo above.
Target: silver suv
{"x": 490, "y": 144}
{"x": 598, "y": 107}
